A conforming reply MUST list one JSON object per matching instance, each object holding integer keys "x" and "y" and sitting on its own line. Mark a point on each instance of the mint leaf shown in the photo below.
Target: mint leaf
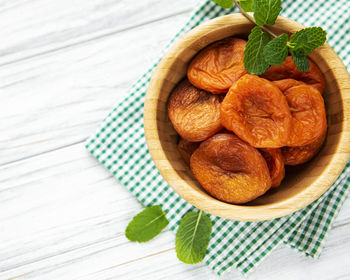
{"x": 247, "y": 5}
{"x": 266, "y": 11}
{"x": 308, "y": 39}
{"x": 276, "y": 51}
{"x": 254, "y": 61}
{"x": 300, "y": 61}
{"x": 224, "y": 3}
{"x": 192, "y": 237}
{"x": 147, "y": 224}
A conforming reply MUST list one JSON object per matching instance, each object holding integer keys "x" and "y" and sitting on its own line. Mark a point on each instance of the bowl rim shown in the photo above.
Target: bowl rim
{"x": 245, "y": 212}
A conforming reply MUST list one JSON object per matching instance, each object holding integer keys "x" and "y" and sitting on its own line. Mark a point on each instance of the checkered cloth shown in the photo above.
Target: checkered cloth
{"x": 120, "y": 146}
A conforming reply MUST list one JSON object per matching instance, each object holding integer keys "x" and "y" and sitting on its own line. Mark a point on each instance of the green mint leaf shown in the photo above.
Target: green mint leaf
{"x": 254, "y": 61}
{"x": 300, "y": 61}
{"x": 247, "y": 5}
{"x": 147, "y": 224}
{"x": 276, "y": 51}
{"x": 266, "y": 11}
{"x": 224, "y": 3}
{"x": 308, "y": 39}
{"x": 192, "y": 237}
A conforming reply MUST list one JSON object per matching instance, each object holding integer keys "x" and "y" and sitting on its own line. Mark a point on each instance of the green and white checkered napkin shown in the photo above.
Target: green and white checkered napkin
{"x": 120, "y": 146}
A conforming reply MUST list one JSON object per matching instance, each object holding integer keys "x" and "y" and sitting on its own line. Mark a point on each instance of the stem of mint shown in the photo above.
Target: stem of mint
{"x": 251, "y": 19}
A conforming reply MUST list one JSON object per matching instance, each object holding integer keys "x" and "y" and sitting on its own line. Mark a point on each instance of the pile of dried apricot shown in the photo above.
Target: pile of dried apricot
{"x": 238, "y": 131}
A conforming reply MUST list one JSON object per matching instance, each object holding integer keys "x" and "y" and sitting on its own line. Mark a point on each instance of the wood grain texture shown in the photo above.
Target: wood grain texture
{"x": 38, "y": 27}
{"x": 298, "y": 189}
{"x": 62, "y": 216}
{"x": 63, "y": 95}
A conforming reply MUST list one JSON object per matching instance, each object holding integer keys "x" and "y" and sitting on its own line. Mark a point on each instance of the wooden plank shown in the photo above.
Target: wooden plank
{"x": 281, "y": 264}
{"x": 41, "y": 26}
{"x": 59, "y": 98}
{"x": 62, "y": 214}
{"x": 65, "y": 211}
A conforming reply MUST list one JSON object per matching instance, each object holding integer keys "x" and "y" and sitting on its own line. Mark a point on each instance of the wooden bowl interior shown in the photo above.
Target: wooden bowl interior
{"x": 293, "y": 194}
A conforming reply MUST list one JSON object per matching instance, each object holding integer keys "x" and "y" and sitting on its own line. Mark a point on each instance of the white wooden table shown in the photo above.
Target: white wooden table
{"x": 63, "y": 65}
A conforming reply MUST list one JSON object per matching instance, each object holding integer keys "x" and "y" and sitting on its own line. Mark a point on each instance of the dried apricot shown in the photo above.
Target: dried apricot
{"x": 194, "y": 113}
{"x": 186, "y": 149}
{"x": 300, "y": 155}
{"x": 288, "y": 69}
{"x": 275, "y": 164}
{"x": 230, "y": 169}
{"x": 308, "y": 113}
{"x": 257, "y": 111}
{"x": 286, "y": 84}
{"x": 218, "y": 66}
{"x": 305, "y": 152}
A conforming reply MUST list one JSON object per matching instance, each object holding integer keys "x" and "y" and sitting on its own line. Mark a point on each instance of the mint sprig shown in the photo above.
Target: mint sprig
{"x": 266, "y": 11}
{"x": 247, "y": 5}
{"x": 224, "y": 3}
{"x": 275, "y": 50}
{"x": 308, "y": 39}
{"x": 192, "y": 237}
{"x": 300, "y": 61}
{"x": 254, "y": 61}
{"x": 147, "y": 224}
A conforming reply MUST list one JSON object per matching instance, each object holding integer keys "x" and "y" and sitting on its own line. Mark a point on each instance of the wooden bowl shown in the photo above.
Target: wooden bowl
{"x": 302, "y": 185}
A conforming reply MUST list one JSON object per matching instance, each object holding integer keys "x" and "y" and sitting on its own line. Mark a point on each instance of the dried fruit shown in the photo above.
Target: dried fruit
{"x": 288, "y": 70}
{"x": 274, "y": 160}
{"x": 230, "y": 169}
{"x": 309, "y": 116}
{"x": 218, "y": 66}
{"x": 257, "y": 111}
{"x": 286, "y": 84}
{"x": 194, "y": 113}
{"x": 300, "y": 155}
{"x": 186, "y": 149}
{"x": 301, "y": 102}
